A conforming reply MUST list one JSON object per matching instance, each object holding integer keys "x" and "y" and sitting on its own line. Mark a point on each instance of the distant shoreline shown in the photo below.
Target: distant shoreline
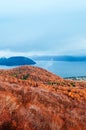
{"x": 78, "y": 78}
{"x": 66, "y": 58}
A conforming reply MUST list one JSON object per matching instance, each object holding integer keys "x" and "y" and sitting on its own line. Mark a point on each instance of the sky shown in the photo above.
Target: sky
{"x": 42, "y": 27}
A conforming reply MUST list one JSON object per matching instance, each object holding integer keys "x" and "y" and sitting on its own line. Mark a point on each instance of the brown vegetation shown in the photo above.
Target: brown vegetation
{"x": 32, "y": 98}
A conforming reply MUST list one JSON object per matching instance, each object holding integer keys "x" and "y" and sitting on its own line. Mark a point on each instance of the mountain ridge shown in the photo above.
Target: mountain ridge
{"x": 61, "y": 58}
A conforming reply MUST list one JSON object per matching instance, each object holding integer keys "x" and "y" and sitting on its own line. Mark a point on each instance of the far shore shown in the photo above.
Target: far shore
{"x": 79, "y": 78}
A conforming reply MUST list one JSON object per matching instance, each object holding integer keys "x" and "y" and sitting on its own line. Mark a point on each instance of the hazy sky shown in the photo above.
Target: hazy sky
{"x": 36, "y": 27}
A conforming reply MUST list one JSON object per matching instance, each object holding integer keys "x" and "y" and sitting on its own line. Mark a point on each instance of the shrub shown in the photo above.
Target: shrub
{"x": 73, "y": 84}
{"x": 25, "y": 77}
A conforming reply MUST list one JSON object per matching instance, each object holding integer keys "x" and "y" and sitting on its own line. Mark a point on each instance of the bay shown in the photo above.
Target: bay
{"x": 60, "y": 68}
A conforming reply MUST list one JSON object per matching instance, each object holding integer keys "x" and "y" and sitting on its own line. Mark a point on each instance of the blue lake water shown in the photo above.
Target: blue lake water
{"x": 64, "y": 69}
{"x": 61, "y": 68}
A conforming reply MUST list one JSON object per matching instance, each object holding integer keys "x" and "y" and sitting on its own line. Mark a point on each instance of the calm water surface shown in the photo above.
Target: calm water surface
{"x": 64, "y": 69}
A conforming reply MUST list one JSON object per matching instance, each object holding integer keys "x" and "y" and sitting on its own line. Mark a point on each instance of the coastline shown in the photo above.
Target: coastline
{"x": 78, "y": 78}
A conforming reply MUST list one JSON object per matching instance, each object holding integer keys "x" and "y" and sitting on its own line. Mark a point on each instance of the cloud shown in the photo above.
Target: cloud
{"x": 42, "y": 27}
{"x": 37, "y": 6}
{"x": 8, "y": 53}
{"x": 74, "y": 46}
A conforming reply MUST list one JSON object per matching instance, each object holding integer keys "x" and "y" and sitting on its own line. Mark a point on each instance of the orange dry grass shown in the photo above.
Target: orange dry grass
{"x": 32, "y": 98}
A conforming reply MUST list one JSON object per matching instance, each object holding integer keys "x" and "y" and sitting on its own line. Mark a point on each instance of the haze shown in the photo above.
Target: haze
{"x": 34, "y": 27}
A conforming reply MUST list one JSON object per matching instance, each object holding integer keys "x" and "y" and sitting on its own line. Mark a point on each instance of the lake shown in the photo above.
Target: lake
{"x": 61, "y": 68}
{"x": 64, "y": 69}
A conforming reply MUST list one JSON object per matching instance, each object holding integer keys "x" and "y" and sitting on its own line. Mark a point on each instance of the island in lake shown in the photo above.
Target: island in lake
{"x": 16, "y": 61}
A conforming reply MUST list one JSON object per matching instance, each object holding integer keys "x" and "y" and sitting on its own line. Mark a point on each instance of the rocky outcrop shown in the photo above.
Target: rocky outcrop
{"x": 34, "y": 99}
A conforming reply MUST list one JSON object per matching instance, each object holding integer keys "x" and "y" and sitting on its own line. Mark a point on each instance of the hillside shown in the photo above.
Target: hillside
{"x": 16, "y": 61}
{"x": 32, "y": 98}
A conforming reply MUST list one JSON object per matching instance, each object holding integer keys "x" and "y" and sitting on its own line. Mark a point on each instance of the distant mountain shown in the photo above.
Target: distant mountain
{"x": 16, "y": 61}
{"x": 61, "y": 58}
